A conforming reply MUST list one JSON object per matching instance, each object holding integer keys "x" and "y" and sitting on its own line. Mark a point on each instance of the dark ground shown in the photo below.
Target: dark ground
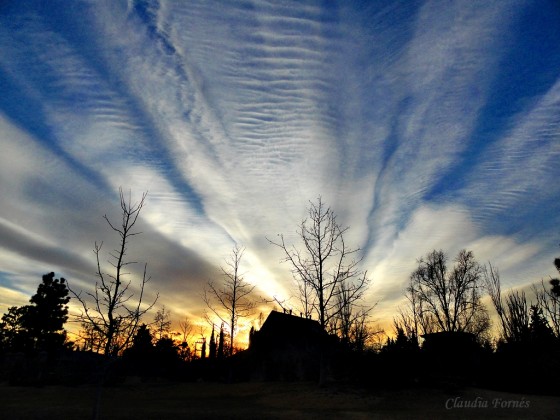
{"x": 269, "y": 400}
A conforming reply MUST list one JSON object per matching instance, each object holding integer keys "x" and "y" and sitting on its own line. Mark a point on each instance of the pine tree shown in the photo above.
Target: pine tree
{"x": 13, "y": 332}
{"x": 251, "y": 336}
{"x": 221, "y": 343}
{"x": 556, "y": 282}
{"x": 44, "y": 319}
{"x": 212, "y": 354}
{"x": 143, "y": 340}
{"x": 540, "y": 332}
{"x": 203, "y": 351}
{"x": 140, "y": 355}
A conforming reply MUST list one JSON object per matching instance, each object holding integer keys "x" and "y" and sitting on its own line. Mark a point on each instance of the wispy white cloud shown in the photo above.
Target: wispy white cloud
{"x": 233, "y": 117}
{"x": 450, "y": 228}
{"x": 521, "y": 165}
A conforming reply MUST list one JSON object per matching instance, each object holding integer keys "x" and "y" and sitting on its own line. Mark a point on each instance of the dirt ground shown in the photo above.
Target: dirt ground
{"x": 268, "y": 401}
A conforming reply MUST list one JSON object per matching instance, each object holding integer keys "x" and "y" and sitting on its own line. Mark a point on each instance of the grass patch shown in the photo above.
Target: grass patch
{"x": 259, "y": 400}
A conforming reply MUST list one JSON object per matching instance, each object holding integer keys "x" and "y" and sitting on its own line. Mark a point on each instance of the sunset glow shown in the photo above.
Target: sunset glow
{"x": 423, "y": 124}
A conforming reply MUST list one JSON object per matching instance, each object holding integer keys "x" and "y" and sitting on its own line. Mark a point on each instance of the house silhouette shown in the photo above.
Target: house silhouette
{"x": 288, "y": 347}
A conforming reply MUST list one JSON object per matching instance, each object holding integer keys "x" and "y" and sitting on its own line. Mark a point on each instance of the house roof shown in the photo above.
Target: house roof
{"x": 286, "y": 325}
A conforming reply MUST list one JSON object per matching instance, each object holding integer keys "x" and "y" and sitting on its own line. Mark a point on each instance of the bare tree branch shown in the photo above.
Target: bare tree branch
{"x": 230, "y": 300}
{"x": 107, "y": 311}
{"x": 446, "y": 301}
{"x": 323, "y": 267}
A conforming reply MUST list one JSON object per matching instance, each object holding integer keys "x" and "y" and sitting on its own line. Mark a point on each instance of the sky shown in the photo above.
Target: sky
{"x": 422, "y": 124}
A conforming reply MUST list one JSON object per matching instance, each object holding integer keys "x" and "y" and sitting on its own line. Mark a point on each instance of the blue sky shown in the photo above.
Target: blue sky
{"x": 422, "y": 124}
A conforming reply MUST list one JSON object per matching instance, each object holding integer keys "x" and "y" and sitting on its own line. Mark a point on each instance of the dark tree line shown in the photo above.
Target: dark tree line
{"x": 527, "y": 337}
{"x": 443, "y": 308}
{"x": 445, "y": 324}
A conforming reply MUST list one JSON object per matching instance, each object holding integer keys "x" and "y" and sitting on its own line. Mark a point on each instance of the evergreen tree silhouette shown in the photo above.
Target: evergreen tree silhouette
{"x": 212, "y": 354}
{"x": 556, "y": 282}
{"x": 139, "y": 357}
{"x": 13, "y": 332}
{"x": 203, "y": 351}
{"x": 40, "y": 325}
{"x": 251, "y": 336}
{"x": 540, "y": 332}
{"x": 142, "y": 341}
{"x": 221, "y": 343}
{"x": 48, "y": 313}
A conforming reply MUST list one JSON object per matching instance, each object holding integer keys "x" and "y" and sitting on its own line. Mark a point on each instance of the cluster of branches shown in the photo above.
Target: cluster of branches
{"x": 110, "y": 312}
{"x": 352, "y": 323}
{"x": 230, "y": 299}
{"x": 329, "y": 280}
{"x": 549, "y": 300}
{"x": 521, "y": 319}
{"x": 441, "y": 300}
{"x": 513, "y": 312}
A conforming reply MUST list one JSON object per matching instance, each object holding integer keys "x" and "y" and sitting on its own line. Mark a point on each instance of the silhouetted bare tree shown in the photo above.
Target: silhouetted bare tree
{"x": 328, "y": 277}
{"x": 549, "y": 301}
{"x": 111, "y": 309}
{"x": 90, "y": 338}
{"x": 406, "y": 324}
{"x": 185, "y": 333}
{"x": 513, "y": 311}
{"x": 446, "y": 300}
{"x": 351, "y": 322}
{"x": 162, "y": 321}
{"x": 230, "y": 300}
{"x": 186, "y": 329}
